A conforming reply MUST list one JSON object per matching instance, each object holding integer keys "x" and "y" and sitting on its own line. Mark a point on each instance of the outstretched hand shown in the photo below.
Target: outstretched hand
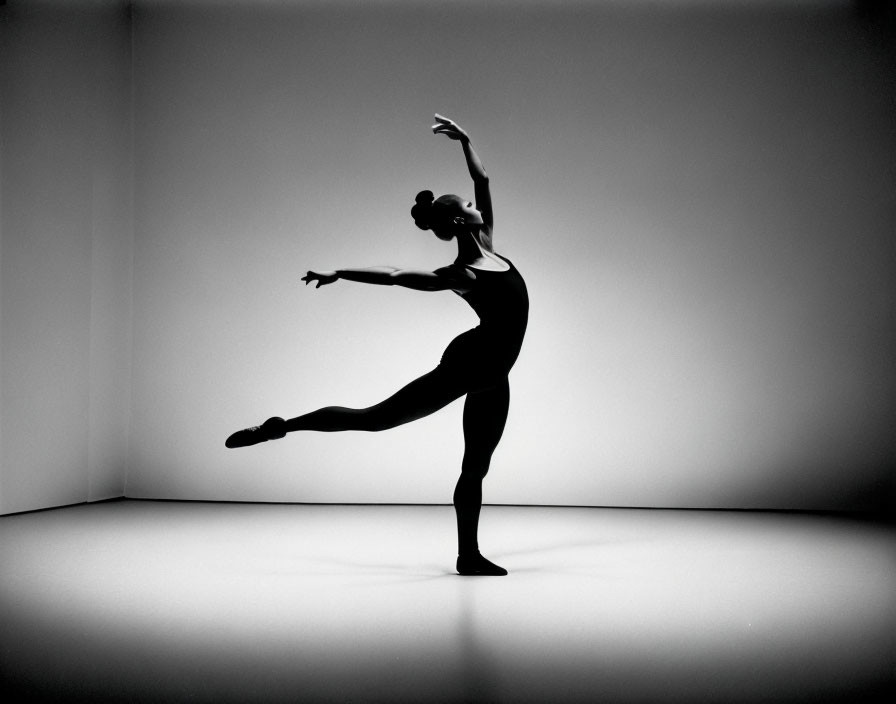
{"x": 449, "y": 128}
{"x": 322, "y": 277}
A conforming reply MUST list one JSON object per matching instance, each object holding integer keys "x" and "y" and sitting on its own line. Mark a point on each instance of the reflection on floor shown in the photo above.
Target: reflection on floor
{"x": 191, "y": 602}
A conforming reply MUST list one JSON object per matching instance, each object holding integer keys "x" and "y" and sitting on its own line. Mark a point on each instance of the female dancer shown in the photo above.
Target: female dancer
{"x": 475, "y": 364}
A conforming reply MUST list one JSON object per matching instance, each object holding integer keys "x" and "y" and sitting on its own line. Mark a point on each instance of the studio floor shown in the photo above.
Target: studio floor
{"x": 147, "y": 601}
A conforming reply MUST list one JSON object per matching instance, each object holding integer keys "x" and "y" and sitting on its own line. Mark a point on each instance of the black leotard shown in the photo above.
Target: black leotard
{"x": 485, "y": 354}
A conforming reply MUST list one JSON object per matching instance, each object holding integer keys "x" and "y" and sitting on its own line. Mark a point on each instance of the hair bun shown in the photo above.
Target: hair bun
{"x": 422, "y": 210}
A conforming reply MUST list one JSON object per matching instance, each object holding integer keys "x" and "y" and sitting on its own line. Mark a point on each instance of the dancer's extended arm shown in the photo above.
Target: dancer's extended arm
{"x": 452, "y": 130}
{"x": 390, "y": 276}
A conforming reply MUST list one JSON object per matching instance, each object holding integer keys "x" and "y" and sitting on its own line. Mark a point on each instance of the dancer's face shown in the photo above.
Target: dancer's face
{"x": 457, "y": 215}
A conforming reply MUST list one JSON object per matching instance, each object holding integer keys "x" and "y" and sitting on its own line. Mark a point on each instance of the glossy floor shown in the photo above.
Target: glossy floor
{"x": 170, "y": 602}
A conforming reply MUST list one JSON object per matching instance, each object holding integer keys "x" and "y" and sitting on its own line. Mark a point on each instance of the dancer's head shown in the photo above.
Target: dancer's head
{"x": 446, "y": 215}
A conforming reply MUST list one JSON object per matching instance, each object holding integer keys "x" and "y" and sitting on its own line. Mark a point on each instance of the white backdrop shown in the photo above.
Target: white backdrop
{"x": 701, "y": 201}
{"x": 701, "y": 198}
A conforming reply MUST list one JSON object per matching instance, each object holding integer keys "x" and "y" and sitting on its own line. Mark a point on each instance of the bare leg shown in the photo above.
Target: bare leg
{"x": 485, "y": 414}
{"x": 420, "y": 398}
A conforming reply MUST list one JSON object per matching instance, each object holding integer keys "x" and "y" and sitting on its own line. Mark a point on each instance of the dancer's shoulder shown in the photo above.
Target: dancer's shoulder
{"x": 460, "y": 276}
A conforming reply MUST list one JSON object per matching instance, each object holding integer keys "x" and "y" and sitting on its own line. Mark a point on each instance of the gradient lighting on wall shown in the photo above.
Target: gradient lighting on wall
{"x": 700, "y": 196}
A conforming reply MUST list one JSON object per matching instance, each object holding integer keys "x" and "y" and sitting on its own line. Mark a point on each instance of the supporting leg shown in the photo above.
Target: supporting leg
{"x": 485, "y": 413}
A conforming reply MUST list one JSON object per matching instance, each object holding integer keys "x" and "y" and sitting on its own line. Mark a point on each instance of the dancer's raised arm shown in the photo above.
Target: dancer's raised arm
{"x": 449, "y": 278}
{"x": 452, "y": 130}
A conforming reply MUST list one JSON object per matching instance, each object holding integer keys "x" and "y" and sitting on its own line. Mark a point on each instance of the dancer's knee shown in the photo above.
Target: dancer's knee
{"x": 377, "y": 418}
{"x": 475, "y": 467}
{"x": 374, "y": 423}
{"x": 358, "y": 419}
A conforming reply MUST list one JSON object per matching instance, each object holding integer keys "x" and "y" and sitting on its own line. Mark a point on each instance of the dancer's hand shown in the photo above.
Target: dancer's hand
{"x": 449, "y": 128}
{"x": 322, "y": 277}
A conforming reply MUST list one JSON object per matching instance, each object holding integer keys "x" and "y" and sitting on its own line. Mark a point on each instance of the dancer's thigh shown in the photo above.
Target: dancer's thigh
{"x": 423, "y": 396}
{"x": 485, "y": 414}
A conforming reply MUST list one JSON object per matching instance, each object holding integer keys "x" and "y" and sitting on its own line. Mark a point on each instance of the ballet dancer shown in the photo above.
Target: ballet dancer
{"x": 475, "y": 364}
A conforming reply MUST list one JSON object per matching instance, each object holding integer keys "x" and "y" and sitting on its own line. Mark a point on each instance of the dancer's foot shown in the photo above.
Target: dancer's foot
{"x": 271, "y": 429}
{"x": 476, "y": 564}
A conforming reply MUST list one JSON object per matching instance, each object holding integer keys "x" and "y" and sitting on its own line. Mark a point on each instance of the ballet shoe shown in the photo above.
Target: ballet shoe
{"x": 271, "y": 429}
{"x": 475, "y": 564}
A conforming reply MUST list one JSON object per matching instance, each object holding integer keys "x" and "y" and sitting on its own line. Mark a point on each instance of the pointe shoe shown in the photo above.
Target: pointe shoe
{"x": 271, "y": 429}
{"x": 476, "y": 565}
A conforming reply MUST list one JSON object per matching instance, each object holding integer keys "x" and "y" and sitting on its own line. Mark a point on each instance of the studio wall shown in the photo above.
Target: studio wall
{"x": 700, "y": 196}
{"x": 66, "y": 248}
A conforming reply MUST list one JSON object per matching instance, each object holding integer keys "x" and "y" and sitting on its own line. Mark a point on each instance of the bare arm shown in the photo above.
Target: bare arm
{"x": 390, "y": 276}
{"x": 474, "y": 165}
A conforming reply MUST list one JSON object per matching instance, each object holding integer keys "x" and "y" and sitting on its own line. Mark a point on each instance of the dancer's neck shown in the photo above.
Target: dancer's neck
{"x": 471, "y": 252}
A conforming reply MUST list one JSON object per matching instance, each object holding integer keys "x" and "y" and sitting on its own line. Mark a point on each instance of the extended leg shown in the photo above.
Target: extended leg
{"x": 420, "y": 398}
{"x": 485, "y": 414}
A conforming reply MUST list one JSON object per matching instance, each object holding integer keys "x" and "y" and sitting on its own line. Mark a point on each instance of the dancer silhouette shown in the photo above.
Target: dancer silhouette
{"x": 475, "y": 364}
